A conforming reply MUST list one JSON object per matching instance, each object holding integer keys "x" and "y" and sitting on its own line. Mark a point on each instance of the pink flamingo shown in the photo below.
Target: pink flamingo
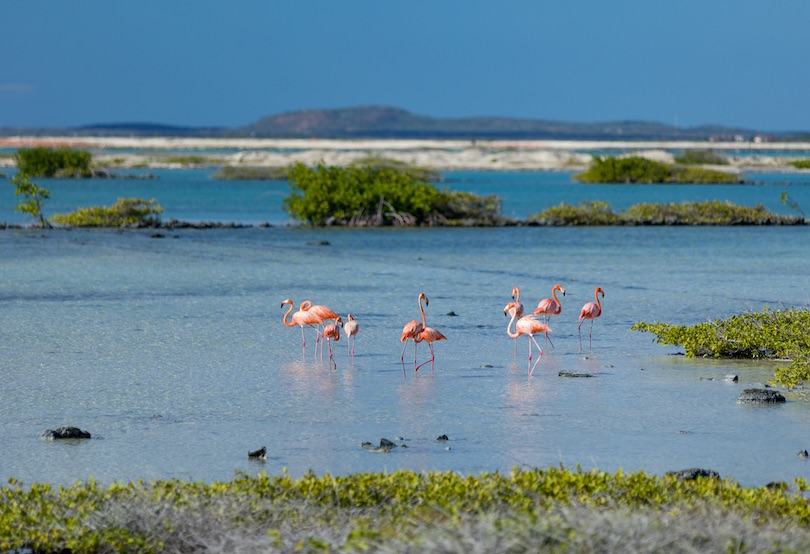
{"x": 351, "y": 328}
{"x": 301, "y": 317}
{"x": 514, "y": 308}
{"x": 549, "y": 307}
{"x": 323, "y": 314}
{"x": 413, "y": 328}
{"x": 528, "y": 325}
{"x": 332, "y": 332}
{"x": 590, "y": 311}
{"x": 429, "y": 335}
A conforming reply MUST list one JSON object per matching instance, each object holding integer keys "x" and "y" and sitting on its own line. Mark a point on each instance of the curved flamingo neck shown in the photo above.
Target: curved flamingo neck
{"x": 598, "y": 303}
{"x": 422, "y": 311}
{"x": 556, "y": 302}
{"x": 284, "y": 319}
{"x": 517, "y": 295}
{"x": 305, "y": 305}
{"x": 509, "y": 328}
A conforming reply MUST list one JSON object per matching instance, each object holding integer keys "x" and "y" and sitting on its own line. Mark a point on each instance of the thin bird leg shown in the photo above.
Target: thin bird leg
{"x": 431, "y": 359}
{"x": 590, "y": 344}
{"x": 549, "y": 339}
{"x": 534, "y": 366}
{"x": 579, "y": 330}
{"x": 404, "y": 346}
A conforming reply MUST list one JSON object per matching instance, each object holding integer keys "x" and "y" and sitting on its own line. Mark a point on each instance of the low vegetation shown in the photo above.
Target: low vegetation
{"x": 33, "y": 197}
{"x": 60, "y": 162}
{"x": 701, "y": 157}
{"x": 380, "y": 195}
{"x": 238, "y": 173}
{"x": 551, "y": 510}
{"x": 801, "y": 164}
{"x": 126, "y": 212}
{"x": 769, "y": 334}
{"x": 687, "y": 213}
{"x": 636, "y": 169}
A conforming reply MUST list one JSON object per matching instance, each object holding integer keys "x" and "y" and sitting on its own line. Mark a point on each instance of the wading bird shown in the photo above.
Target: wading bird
{"x": 413, "y": 328}
{"x": 302, "y": 318}
{"x": 429, "y": 335}
{"x": 351, "y": 328}
{"x": 331, "y": 333}
{"x": 549, "y": 307}
{"x": 514, "y": 308}
{"x": 591, "y": 310}
{"x": 528, "y": 325}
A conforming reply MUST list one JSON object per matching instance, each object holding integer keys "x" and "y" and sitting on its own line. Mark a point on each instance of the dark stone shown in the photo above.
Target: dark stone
{"x": 158, "y": 236}
{"x": 802, "y": 454}
{"x": 385, "y": 446}
{"x": 65, "y": 433}
{"x": 261, "y": 453}
{"x": 318, "y": 243}
{"x": 442, "y": 438}
{"x": 693, "y": 473}
{"x": 574, "y": 374}
{"x": 452, "y": 314}
{"x": 760, "y": 396}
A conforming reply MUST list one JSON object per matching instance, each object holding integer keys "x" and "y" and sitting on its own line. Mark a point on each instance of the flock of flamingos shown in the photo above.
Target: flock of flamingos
{"x": 328, "y": 324}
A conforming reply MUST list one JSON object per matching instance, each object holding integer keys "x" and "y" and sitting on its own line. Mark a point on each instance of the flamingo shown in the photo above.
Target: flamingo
{"x": 351, "y": 328}
{"x": 301, "y": 317}
{"x": 332, "y": 332}
{"x": 514, "y": 307}
{"x": 413, "y": 328}
{"x": 323, "y": 314}
{"x": 549, "y": 307}
{"x": 429, "y": 335}
{"x": 591, "y": 310}
{"x": 528, "y": 325}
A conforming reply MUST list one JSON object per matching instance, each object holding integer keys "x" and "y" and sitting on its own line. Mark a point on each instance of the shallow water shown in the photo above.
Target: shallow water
{"x": 171, "y": 352}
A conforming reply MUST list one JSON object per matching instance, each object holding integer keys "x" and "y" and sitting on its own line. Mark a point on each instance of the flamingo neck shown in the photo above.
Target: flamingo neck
{"x": 509, "y": 328}
{"x": 422, "y": 311}
{"x": 558, "y": 307}
{"x": 598, "y": 303}
{"x": 284, "y": 319}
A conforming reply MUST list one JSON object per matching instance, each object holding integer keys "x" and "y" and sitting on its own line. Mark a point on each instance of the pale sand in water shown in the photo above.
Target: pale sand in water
{"x": 481, "y": 155}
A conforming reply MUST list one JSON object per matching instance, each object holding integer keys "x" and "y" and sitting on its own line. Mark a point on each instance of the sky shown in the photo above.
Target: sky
{"x": 204, "y": 63}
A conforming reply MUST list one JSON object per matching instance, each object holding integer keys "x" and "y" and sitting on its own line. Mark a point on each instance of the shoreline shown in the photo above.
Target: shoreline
{"x": 477, "y": 155}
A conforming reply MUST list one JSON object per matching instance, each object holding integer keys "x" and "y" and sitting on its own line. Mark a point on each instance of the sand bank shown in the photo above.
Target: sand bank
{"x": 496, "y": 155}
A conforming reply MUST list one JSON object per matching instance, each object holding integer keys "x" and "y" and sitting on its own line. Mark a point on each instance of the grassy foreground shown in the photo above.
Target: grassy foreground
{"x": 541, "y": 510}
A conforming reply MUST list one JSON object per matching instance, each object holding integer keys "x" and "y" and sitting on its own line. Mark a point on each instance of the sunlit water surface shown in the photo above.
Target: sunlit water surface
{"x": 171, "y": 351}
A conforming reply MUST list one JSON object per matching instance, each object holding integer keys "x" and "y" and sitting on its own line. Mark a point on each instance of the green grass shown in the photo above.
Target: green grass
{"x": 686, "y": 213}
{"x": 801, "y": 164}
{"x": 769, "y": 334}
{"x": 126, "y": 212}
{"x": 233, "y": 173}
{"x": 540, "y": 510}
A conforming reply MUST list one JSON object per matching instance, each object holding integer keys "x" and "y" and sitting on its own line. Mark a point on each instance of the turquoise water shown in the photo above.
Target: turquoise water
{"x": 171, "y": 351}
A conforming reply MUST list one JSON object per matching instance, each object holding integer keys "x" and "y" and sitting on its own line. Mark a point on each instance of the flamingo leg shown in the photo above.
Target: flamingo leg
{"x": 540, "y": 355}
{"x": 431, "y": 359}
{"x": 590, "y": 343}
{"x": 404, "y": 346}
{"x": 579, "y": 330}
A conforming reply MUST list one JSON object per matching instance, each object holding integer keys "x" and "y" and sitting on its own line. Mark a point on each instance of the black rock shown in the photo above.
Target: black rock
{"x": 385, "y": 446}
{"x": 65, "y": 433}
{"x": 442, "y": 438}
{"x": 261, "y": 453}
{"x": 566, "y": 373}
{"x": 760, "y": 396}
{"x": 802, "y": 454}
{"x": 693, "y": 473}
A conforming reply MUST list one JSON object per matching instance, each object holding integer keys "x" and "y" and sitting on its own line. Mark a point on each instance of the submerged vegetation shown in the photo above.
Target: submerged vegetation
{"x": 126, "y": 212}
{"x": 686, "y": 213}
{"x": 701, "y": 157}
{"x": 636, "y": 169}
{"x": 551, "y": 510}
{"x": 380, "y": 195}
{"x": 769, "y": 334}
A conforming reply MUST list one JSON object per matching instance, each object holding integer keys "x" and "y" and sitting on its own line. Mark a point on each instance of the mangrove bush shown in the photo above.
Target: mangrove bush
{"x": 686, "y": 213}
{"x": 126, "y": 212}
{"x": 769, "y": 334}
{"x": 637, "y": 169}
{"x": 54, "y": 162}
{"x": 33, "y": 197}
{"x": 360, "y": 196}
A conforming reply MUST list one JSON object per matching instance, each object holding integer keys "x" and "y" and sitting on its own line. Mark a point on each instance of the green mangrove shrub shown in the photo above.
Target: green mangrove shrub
{"x": 126, "y": 212}
{"x": 33, "y": 197}
{"x": 636, "y": 169}
{"x": 769, "y": 334}
{"x": 701, "y": 157}
{"x": 547, "y": 508}
{"x": 249, "y": 173}
{"x": 361, "y": 196}
{"x": 686, "y": 213}
{"x": 801, "y": 164}
{"x": 54, "y": 162}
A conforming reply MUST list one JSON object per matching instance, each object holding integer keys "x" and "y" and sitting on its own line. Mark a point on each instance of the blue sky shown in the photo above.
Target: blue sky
{"x": 226, "y": 64}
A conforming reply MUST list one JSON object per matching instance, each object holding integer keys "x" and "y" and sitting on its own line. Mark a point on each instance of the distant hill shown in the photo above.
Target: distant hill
{"x": 390, "y": 122}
